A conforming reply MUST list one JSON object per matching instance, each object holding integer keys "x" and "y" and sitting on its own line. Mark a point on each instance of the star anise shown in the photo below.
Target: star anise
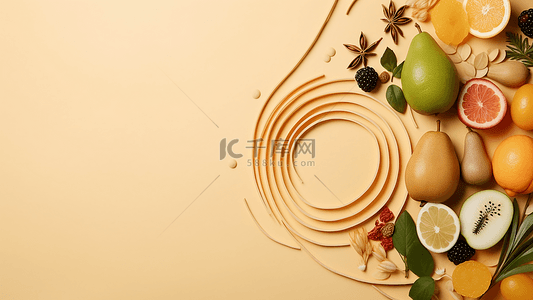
{"x": 394, "y": 19}
{"x": 362, "y": 51}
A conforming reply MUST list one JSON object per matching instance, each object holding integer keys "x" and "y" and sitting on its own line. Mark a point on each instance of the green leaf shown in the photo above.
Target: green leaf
{"x": 396, "y": 98}
{"x": 388, "y": 60}
{"x": 521, "y": 259}
{"x": 398, "y": 71}
{"x": 525, "y": 230}
{"x": 404, "y": 233}
{"x": 420, "y": 260}
{"x": 508, "y": 249}
{"x": 422, "y": 289}
{"x": 506, "y": 239}
{"x": 406, "y": 242}
{"x": 518, "y": 270}
{"x": 519, "y": 49}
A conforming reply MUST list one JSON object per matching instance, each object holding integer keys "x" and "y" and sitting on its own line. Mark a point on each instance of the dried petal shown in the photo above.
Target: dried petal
{"x": 355, "y": 63}
{"x": 379, "y": 252}
{"x": 387, "y": 28}
{"x": 399, "y": 30}
{"x": 394, "y": 34}
{"x": 402, "y": 21}
{"x": 385, "y": 12}
{"x": 387, "y": 266}
{"x": 362, "y": 41}
{"x": 372, "y": 46}
{"x": 392, "y": 10}
{"x": 352, "y": 48}
{"x": 399, "y": 12}
{"x": 381, "y": 275}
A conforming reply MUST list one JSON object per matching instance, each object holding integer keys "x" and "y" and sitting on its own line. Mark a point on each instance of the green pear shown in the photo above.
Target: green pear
{"x": 429, "y": 79}
{"x": 432, "y": 173}
{"x": 476, "y": 167}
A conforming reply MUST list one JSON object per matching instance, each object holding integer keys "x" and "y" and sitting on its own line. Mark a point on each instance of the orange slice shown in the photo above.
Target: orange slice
{"x": 437, "y": 227}
{"x": 450, "y": 21}
{"x": 471, "y": 279}
{"x": 487, "y": 18}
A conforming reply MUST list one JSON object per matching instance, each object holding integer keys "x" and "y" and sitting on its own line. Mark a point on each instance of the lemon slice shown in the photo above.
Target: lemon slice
{"x": 437, "y": 227}
{"x": 487, "y": 18}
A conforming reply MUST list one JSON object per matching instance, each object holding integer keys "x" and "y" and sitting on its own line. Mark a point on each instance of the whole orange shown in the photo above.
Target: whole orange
{"x": 522, "y": 107}
{"x": 512, "y": 165}
{"x": 517, "y": 287}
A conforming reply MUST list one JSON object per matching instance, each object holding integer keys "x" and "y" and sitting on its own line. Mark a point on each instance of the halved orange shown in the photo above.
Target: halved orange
{"x": 487, "y": 18}
{"x": 481, "y": 104}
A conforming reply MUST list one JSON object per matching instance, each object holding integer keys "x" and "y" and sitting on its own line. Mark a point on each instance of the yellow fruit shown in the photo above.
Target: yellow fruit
{"x": 512, "y": 165}
{"x": 450, "y": 21}
{"x": 437, "y": 227}
{"x": 517, "y": 287}
{"x": 522, "y": 107}
{"x": 487, "y": 18}
{"x": 471, "y": 279}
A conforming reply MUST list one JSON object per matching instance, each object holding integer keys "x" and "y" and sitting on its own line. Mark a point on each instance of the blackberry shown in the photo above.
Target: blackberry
{"x": 367, "y": 78}
{"x": 525, "y": 22}
{"x": 460, "y": 252}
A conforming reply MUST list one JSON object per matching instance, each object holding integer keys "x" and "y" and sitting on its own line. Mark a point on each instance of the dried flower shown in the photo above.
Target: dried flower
{"x": 385, "y": 269}
{"x": 449, "y": 287}
{"x": 421, "y": 8}
{"x": 394, "y": 19}
{"x": 379, "y": 252}
{"x": 359, "y": 241}
{"x": 362, "y": 51}
{"x": 384, "y": 77}
{"x": 387, "y": 230}
{"x": 381, "y": 275}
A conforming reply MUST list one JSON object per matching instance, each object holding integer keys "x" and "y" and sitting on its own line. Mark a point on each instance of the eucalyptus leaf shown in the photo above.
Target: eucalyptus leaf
{"x": 397, "y": 72}
{"x": 388, "y": 60}
{"x": 518, "y": 270}
{"x": 422, "y": 289}
{"x": 396, "y": 98}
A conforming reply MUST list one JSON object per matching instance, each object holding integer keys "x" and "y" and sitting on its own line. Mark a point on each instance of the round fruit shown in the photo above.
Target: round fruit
{"x": 437, "y": 227}
{"x": 471, "y": 279}
{"x": 517, "y": 287}
{"x": 522, "y": 107}
{"x": 487, "y": 18}
{"x": 485, "y": 218}
{"x": 460, "y": 252}
{"x": 512, "y": 165}
{"x": 481, "y": 104}
{"x": 450, "y": 21}
{"x": 525, "y": 22}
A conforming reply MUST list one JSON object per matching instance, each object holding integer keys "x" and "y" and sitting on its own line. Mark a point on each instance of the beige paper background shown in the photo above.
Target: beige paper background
{"x": 103, "y": 144}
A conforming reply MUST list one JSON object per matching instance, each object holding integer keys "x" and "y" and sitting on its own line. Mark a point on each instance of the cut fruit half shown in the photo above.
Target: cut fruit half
{"x": 437, "y": 227}
{"x": 481, "y": 104}
{"x": 487, "y": 18}
{"x": 485, "y": 218}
